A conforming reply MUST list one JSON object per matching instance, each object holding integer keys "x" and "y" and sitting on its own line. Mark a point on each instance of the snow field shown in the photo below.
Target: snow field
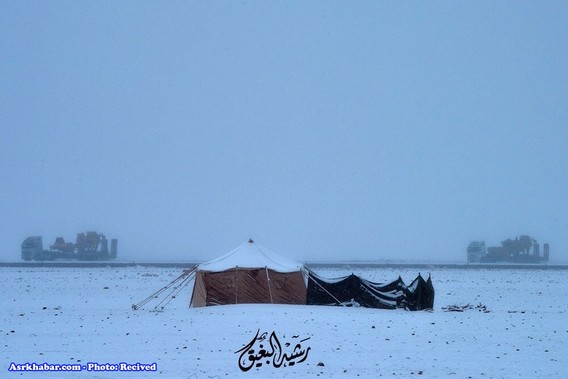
{"x": 81, "y": 315}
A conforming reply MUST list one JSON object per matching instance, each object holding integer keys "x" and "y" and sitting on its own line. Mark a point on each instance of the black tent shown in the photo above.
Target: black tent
{"x": 420, "y": 294}
{"x": 352, "y": 290}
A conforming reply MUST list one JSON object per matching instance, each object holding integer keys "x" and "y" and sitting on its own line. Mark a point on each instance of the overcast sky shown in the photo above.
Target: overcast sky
{"x": 321, "y": 129}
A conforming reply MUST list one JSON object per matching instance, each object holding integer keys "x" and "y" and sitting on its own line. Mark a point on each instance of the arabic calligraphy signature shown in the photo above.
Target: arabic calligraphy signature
{"x": 244, "y": 359}
{"x": 254, "y": 356}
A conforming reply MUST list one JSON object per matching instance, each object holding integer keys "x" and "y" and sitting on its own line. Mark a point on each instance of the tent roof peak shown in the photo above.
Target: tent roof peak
{"x": 251, "y": 255}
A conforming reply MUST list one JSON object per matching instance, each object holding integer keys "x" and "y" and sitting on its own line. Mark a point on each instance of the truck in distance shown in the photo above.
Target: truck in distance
{"x": 522, "y": 249}
{"x": 89, "y": 246}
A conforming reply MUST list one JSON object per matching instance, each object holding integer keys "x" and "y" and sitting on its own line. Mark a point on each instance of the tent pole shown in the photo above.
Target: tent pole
{"x": 309, "y": 273}
{"x": 268, "y": 281}
{"x": 237, "y": 285}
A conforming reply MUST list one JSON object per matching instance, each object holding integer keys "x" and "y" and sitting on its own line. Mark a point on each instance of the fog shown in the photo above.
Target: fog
{"x": 322, "y": 130}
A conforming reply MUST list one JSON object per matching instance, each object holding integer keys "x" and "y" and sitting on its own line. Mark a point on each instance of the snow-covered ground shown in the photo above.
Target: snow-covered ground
{"x": 84, "y": 315}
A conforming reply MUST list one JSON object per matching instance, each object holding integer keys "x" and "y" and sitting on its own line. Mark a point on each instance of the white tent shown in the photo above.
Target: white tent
{"x": 249, "y": 274}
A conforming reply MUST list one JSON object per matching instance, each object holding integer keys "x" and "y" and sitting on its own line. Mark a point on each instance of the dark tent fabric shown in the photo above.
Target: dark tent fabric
{"x": 352, "y": 290}
{"x": 355, "y": 291}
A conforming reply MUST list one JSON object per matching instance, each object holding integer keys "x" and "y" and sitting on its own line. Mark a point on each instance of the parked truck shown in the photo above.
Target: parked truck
{"x": 89, "y": 246}
{"x": 522, "y": 249}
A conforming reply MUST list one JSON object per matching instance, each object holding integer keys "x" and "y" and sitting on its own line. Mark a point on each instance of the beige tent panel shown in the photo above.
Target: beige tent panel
{"x": 199, "y": 293}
